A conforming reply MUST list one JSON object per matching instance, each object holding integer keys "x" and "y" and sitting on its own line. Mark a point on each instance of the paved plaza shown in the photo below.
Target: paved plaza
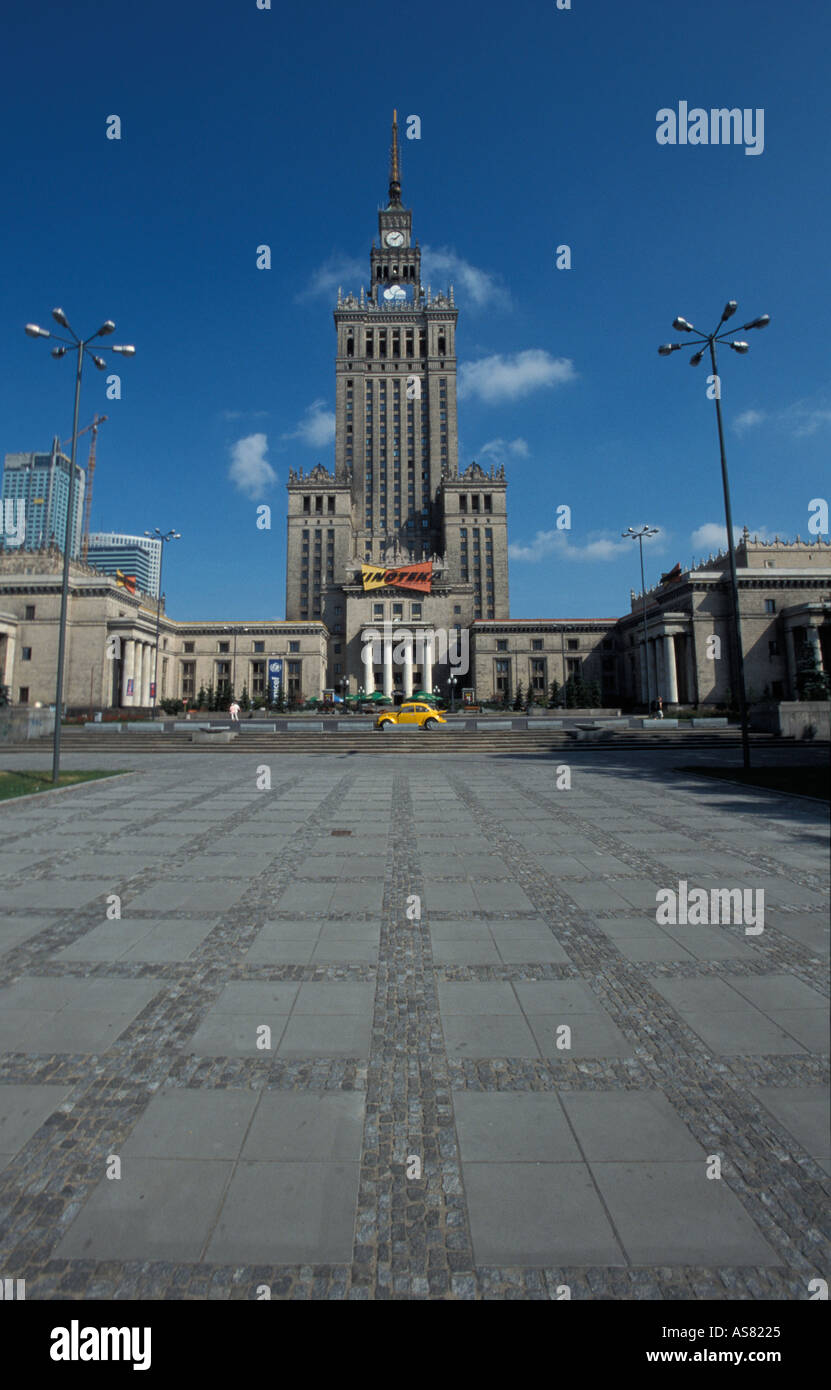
{"x": 409, "y": 1028}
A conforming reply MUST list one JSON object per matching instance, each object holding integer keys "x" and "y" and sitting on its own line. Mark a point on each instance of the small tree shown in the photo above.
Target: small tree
{"x": 531, "y": 697}
{"x": 518, "y": 697}
{"x": 506, "y": 697}
{"x": 554, "y": 697}
{"x": 201, "y": 699}
{"x": 244, "y": 700}
{"x": 210, "y": 697}
{"x": 811, "y": 682}
{"x": 593, "y": 694}
{"x": 280, "y": 702}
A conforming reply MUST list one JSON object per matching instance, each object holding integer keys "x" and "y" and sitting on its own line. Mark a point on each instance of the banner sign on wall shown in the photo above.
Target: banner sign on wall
{"x": 275, "y": 675}
{"x": 417, "y": 577}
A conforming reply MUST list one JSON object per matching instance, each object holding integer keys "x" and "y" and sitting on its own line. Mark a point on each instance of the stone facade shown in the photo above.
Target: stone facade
{"x": 785, "y": 602}
{"x": 111, "y": 646}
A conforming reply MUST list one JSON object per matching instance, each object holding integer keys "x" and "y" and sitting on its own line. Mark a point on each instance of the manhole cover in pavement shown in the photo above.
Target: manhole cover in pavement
{"x": 341, "y": 832}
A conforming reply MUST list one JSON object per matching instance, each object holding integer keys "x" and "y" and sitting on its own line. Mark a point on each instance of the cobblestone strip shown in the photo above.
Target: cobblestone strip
{"x": 412, "y": 1236}
{"x": 778, "y": 953}
{"x": 777, "y": 1193}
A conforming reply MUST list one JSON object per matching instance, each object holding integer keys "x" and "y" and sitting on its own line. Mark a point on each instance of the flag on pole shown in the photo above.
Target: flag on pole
{"x": 126, "y": 581}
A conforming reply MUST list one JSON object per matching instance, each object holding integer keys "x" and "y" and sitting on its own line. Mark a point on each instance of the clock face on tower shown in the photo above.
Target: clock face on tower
{"x": 394, "y": 239}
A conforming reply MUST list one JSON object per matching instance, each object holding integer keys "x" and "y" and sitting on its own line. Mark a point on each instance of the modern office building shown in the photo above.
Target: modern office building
{"x": 139, "y": 556}
{"x": 35, "y": 497}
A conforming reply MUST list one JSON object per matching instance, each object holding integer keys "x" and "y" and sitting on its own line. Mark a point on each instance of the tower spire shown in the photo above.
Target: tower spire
{"x": 395, "y": 173}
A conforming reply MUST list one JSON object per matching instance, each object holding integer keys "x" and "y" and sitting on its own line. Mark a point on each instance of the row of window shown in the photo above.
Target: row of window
{"x": 255, "y": 680}
{"x": 396, "y": 342}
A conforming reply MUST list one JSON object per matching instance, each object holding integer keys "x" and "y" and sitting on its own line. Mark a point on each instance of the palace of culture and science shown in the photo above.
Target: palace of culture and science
{"x": 397, "y": 564}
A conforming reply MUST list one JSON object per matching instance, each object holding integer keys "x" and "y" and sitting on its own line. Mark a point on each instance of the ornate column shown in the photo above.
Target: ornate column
{"x": 369, "y": 673}
{"x": 429, "y": 658}
{"x": 408, "y": 666}
{"x": 671, "y": 677}
{"x": 128, "y": 669}
{"x": 147, "y": 673}
{"x": 138, "y": 670}
{"x": 7, "y": 673}
{"x": 388, "y": 680}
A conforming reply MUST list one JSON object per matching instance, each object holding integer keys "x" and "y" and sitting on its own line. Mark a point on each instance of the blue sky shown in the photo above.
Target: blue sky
{"x": 243, "y": 127}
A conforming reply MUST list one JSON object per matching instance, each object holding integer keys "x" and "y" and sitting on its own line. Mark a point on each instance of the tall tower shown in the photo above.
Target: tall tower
{"x": 394, "y": 493}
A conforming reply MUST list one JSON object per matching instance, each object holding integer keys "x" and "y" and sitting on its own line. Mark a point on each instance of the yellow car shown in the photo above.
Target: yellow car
{"x": 411, "y": 713}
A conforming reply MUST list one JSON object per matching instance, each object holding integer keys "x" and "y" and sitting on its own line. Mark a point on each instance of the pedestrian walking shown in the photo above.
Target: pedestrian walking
{"x": 234, "y": 712}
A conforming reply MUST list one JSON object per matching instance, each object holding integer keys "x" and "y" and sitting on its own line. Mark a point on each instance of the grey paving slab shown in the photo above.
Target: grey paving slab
{"x": 672, "y": 1213}
{"x": 326, "y": 1035}
{"x": 744, "y": 1032}
{"x": 41, "y": 893}
{"x": 615, "y": 1125}
{"x": 185, "y": 895}
{"x": 557, "y": 996}
{"x": 804, "y": 1111}
{"x": 476, "y": 951}
{"x": 160, "y": 1209}
{"x": 474, "y": 998}
{"x": 592, "y": 1035}
{"x": 334, "y": 998}
{"x": 777, "y": 992}
{"x": 316, "y": 1127}
{"x": 287, "y": 1213}
{"x": 23, "y": 1109}
{"x": 512, "y": 1127}
{"x": 538, "y": 1214}
{"x": 538, "y": 946}
{"x": 139, "y": 939}
{"x": 488, "y": 1035}
{"x": 13, "y": 930}
{"x": 182, "y": 1123}
{"x": 236, "y": 1034}
{"x": 810, "y": 1027}
{"x": 251, "y": 997}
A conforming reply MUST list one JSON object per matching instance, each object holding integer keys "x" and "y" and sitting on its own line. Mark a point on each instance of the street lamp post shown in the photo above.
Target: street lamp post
{"x": 82, "y": 346}
{"x": 453, "y": 680}
{"x": 638, "y": 536}
{"x": 708, "y": 341}
{"x": 156, "y": 534}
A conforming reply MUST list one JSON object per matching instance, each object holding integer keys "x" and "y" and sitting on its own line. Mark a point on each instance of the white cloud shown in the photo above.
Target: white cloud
{"x": 556, "y": 543}
{"x": 509, "y": 378}
{"x": 748, "y": 419}
{"x": 478, "y": 287}
{"x": 250, "y": 471}
{"x": 242, "y": 414}
{"x": 338, "y": 272}
{"x": 317, "y": 428}
{"x": 499, "y": 448}
{"x": 806, "y": 420}
{"x": 712, "y": 536}
{"x": 800, "y": 420}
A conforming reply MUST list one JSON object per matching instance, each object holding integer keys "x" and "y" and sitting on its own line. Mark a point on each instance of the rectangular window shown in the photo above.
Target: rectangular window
{"x": 27, "y": 654}
{"x": 502, "y": 645}
{"x": 538, "y": 677}
{"x": 536, "y": 645}
{"x": 294, "y": 646}
{"x": 30, "y": 612}
{"x": 188, "y": 646}
{"x": 23, "y": 696}
{"x": 257, "y": 677}
{"x": 573, "y": 644}
{"x": 259, "y": 646}
{"x": 223, "y": 646}
{"x": 188, "y": 680}
{"x": 773, "y": 648}
{"x": 770, "y": 605}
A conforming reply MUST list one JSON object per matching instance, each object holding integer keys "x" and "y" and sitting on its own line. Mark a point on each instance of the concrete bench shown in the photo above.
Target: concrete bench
{"x": 494, "y": 724}
{"x": 709, "y": 723}
{"x": 213, "y": 736}
{"x": 659, "y": 723}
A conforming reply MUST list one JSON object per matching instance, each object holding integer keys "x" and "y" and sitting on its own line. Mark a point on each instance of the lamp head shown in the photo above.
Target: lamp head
{"x": 60, "y": 317}
{"x": 729, "y": 310}
{"x": 681, "y": 325}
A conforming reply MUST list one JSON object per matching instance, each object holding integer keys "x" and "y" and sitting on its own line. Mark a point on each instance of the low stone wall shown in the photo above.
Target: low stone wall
{"x": 802, "y": 719}
{"x": 19, "y": 722}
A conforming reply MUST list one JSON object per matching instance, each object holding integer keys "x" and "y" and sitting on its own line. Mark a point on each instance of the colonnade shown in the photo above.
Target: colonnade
{"x": 137, "y": 659}
{"x": 387, "y": 643}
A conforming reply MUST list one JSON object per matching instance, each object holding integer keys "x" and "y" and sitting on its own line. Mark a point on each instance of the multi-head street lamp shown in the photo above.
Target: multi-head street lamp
{"x": 706, "y": 341}
{"x": 156, "y": 535}
{"x": 82, "y": 345}
{"x": 642, "y": 534}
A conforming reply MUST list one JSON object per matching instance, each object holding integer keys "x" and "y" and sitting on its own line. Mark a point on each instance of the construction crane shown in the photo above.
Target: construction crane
{"x": 99, "y": 420}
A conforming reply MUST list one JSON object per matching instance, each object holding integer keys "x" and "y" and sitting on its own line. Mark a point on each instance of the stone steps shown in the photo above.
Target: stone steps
{"x": 401, "y": 741}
